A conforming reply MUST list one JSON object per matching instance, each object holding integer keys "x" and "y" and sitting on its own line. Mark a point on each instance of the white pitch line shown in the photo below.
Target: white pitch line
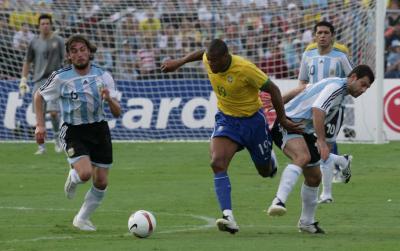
{"x": 210, "y": 222}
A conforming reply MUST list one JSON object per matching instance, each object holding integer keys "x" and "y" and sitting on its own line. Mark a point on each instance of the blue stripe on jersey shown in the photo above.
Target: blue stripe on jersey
{"x": 81, "y": 96}
{"x": 66, "y": 106}
{"x": 315, "y": 70}
{"x": 327, "y": 64}
{"x": 96, "y": 99}
{"x": 338, "y": 70}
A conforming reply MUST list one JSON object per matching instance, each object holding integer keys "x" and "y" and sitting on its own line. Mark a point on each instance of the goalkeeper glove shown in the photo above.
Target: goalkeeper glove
{"x": 23, "y": 87}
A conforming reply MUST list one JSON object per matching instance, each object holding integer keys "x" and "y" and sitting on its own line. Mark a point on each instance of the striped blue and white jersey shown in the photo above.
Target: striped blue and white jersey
{"x": 79, "y": 96}
{"x": 315, "y": 67}
{"x": 326, "y": 95}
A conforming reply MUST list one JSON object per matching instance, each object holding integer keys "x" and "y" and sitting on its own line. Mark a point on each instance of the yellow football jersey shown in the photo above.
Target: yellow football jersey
{"x": 237, "y": 88}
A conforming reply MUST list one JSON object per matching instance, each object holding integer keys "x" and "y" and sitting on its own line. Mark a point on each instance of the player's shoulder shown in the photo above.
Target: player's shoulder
{"x": 100, "y": 71}
{"x": 62, "y": 71}
{"x": 336, "y": 47}
{"x": 341, "y": 48}
{"x": 98, "y": 68}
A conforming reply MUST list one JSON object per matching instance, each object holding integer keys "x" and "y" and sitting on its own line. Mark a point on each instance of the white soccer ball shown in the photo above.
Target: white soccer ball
{"x": 142, "y": 223}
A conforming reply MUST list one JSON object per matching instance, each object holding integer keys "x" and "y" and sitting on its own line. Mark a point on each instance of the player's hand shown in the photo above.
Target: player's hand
{"x": 23, "y": 87}
{"x": 40, "y": 134}
{"x": 323, "y": 149}
{"x": 105, "y": 94}
{"x": 171, "y": 65}
{"x": 290, "y": 126}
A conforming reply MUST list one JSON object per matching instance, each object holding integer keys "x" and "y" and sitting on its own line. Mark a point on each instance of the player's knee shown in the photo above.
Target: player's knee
{"x": 313, "y": 180}
{"x": 85, "y": 176}
{"x": 218, "y": 165}
{"x": 302, "y": 160}
{"x": 100, "y": 184}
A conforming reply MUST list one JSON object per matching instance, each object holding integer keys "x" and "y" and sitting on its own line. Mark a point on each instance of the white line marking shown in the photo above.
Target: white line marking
{"x": 209, "y": 223}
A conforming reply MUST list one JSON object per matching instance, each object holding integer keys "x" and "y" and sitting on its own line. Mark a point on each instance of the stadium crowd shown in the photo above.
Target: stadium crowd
{"x": 135, "y": 37}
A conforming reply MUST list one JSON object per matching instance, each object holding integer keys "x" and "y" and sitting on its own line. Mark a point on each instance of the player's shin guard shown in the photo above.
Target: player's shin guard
{"x": 92, "y": 201}
{"x": 222, "y": 187}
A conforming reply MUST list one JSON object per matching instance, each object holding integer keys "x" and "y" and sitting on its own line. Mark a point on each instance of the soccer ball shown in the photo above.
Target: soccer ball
{"x": 142, "y": 223}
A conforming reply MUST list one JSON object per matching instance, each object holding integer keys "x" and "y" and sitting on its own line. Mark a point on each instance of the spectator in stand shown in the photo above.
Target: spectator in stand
{"x": 150, "y": 25}
{"x": 7, "y": 63}
{"x": 391, "y": 35}
{"x": 393, "y": 61}
{"x": 88, "y": 15}
{"x": 233, "y": 39}
{"x": 147, "y": 59}
{"x": 169, "y": 42}
{"x": 127, "y": 62}
{"x": 104, "y": 58}
{"x": 292, "y": 56}
{"x": 130, "y": 31}
{"x": 274, "y": 64}
{"x": 233, "y": 13}
{"x": 294, "y": 17}
{"x": 22, "y": 38}
{"x": 170, "y": 14}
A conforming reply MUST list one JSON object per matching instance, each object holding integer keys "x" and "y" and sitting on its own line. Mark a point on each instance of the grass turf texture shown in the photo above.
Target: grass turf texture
{"x": 174, "y": 181}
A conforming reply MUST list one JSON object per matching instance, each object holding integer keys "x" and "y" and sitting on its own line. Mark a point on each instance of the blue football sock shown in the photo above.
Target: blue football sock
{"x": 334, "y": 148}
{"x": 222, "y": 187}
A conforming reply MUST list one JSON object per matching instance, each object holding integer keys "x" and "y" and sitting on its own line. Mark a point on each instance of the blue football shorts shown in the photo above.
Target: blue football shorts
{"x": 251, "y": 133}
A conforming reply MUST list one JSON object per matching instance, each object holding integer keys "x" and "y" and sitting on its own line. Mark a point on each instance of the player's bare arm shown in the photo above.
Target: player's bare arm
{"x": 115, "y": 107}
{"x": 40, "y": 131}
{"x": 319, "y": 127}
{"x": 294, "y": 92}
{"x": 174, "y": 64}
{"x": 277, "y": 101}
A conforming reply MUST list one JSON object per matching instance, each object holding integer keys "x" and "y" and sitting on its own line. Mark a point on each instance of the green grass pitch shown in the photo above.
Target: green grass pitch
{"x": 174, "y": 181}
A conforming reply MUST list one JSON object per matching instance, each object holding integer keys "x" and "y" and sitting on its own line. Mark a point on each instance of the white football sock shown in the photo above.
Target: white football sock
{"x": 228, "y": 212}
{"x": 338, "y": 160}
{"x": 309, "y": 196}
{"x": 75, "y": 176}
{"x": 288, "y": 180}
{"x": 327, "y": 176}
{"x": 92, "y": 201}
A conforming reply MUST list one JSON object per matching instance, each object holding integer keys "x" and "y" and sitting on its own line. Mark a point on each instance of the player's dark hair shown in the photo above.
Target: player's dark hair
{"x": 363, "y": 70}
{"x": 80, "y": 38}
{"x": 324, "y": 23}
{"x": 45, "y": 16}
{"x": 218, "y": 47}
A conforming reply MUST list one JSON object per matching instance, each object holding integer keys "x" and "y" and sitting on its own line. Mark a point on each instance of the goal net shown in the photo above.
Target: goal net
{"x": 134, "y": 38}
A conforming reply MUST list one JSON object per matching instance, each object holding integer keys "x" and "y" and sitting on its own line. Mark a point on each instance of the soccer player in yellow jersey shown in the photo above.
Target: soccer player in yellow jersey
{"x": 240, "y": 122}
